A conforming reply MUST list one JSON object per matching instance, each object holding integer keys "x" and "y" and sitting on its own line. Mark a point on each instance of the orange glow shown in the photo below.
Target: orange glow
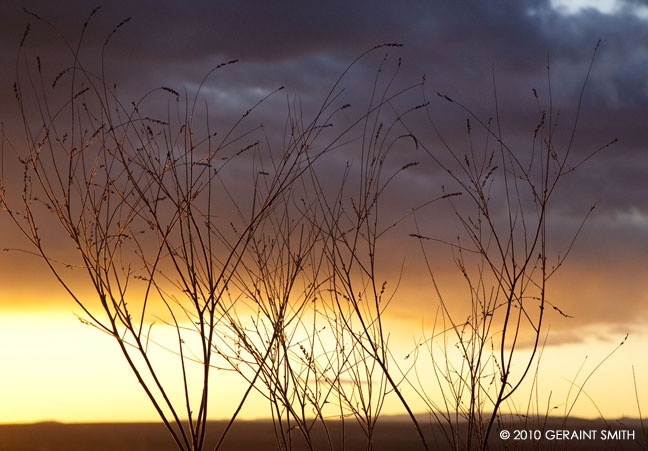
{"x": 55, "y": 368}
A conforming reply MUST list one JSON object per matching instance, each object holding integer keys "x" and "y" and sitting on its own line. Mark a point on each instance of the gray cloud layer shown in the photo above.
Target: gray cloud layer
{"x": 305, "y": 45}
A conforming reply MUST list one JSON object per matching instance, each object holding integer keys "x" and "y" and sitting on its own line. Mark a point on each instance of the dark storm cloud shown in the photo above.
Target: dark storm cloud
{"x": 269, "y": 31}
{"x": 457, "y": 44}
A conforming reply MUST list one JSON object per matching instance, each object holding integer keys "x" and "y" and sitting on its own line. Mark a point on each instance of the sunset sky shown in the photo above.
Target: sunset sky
{"x": 52, "y": 367}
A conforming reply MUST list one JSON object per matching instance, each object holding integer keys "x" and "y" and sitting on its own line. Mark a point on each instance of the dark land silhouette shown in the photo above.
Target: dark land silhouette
{"x": 393, "y": 433}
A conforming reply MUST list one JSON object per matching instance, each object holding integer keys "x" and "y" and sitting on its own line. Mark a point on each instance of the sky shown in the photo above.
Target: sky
{"x": 463, "y": 49}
